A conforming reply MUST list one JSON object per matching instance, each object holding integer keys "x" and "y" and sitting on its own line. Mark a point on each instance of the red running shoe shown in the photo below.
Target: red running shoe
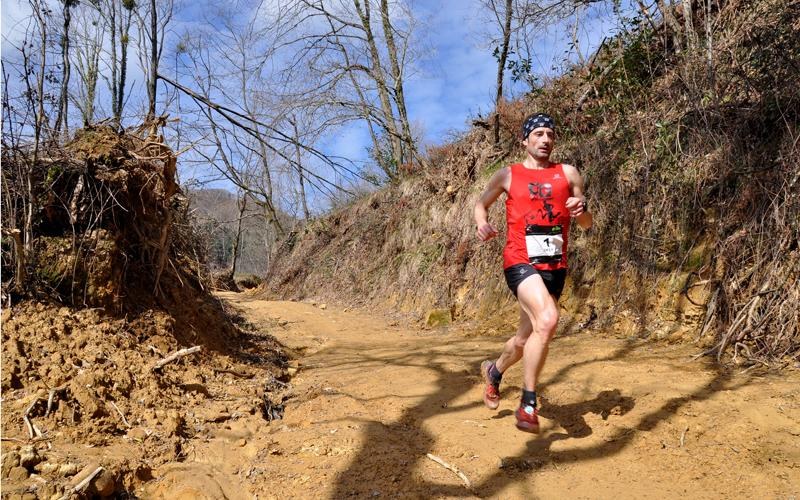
{"x": 491, "y": 394}
{"x": 527, "y": 419}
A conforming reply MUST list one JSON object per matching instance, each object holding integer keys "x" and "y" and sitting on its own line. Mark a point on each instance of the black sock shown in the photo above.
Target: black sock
{"x": 494, "y": 374}
{"x": 528, "y": 398}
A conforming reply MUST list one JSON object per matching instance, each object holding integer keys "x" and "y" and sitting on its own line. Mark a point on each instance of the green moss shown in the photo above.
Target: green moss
{"x": 438, "y": 317}
{"x": 697, "y": 257}
{"x": 53, "y": 173}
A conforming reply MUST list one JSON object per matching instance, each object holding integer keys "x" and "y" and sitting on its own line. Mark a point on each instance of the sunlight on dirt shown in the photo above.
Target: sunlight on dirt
{"x": 369, "y": 401}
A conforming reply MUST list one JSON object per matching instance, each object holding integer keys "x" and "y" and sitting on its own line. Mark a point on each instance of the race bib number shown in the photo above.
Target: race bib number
{"x": 544, "y": 242}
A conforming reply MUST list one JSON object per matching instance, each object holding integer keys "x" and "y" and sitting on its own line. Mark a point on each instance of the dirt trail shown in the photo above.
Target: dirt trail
{"x": 621, "y": 418}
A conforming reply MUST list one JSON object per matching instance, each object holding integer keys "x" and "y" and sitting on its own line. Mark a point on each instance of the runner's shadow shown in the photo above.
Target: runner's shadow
{"x": 571, "y": 416}
{"x": 392, "y": 461}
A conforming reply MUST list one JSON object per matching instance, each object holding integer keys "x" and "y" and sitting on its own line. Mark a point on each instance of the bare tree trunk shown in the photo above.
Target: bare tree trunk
{"x": 501, "y": 66}
{"x": 152, "y": 81}
{"x": 688, "y": 22}
{"x": 299, "y": 158}
{"x": 87, "y": 55}
{"x": 63, "y": 100}
{"x": 380, "y": 79}
{"x": 119, "y": 18}
{"x": 20, "y": 274}
{"x": 125, "y": 27}
{"x": 37, "y": 132}
{"x": 262, "y": 150}
{"x": 397, "y": 75}
{"x": 672, "y": 23}
{"x": 112, "y": 20}
{"x": 576, "y": 43}
{"x": 364, "y": 109}
{"x": 241, "y": 203}
{"x": 710, "y": 72}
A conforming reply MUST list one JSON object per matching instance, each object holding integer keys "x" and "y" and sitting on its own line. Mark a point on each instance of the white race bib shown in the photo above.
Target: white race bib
{"x": 544, "y": 242}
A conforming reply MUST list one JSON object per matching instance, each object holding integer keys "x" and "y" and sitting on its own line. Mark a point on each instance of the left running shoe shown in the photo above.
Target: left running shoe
{"x": 527, "y": 418}
{"x": 491, "y": 394}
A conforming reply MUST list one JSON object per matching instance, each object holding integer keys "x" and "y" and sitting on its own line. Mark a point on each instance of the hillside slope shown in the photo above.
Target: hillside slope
{"x": 692, "y": 171}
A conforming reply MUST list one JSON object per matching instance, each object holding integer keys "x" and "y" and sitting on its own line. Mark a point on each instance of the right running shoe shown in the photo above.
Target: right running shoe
{"x": 527, "y": 418}
{"x": 491, "y": 394}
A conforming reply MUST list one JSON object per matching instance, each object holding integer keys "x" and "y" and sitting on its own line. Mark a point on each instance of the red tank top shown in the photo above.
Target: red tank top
{"x": 537, "y": 218}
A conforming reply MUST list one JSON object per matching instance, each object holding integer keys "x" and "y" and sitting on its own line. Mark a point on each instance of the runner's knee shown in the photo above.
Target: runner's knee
{"x": 546, "y": 323}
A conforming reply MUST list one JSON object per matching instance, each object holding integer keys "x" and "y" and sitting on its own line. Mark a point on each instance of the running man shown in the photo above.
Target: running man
{"x": 542, "y": 198}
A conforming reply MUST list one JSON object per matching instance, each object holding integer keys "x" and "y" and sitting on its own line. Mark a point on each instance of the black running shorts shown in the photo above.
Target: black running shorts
{"x": 553, "y": 280}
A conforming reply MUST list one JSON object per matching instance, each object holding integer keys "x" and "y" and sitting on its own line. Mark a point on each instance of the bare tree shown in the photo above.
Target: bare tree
{"x": 668, "y": 14}
{"x": 63, "y": 100}
{"x": 241, "y": 204}
{"x": 118, "y": 16}
{"x": 300, "y": 177}
{"x": 688, "y": 22}
{"x": 89, "y": 35}
{"x": 36, "y": 100}
{"x": 153, "y": 22}
{"x": 359, "y": 65}
{"x": 503, "y": 16}
{"x": 397, "y": 75}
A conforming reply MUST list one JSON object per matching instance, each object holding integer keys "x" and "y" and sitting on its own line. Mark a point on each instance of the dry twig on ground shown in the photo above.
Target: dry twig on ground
{"x": 452, "y": 468}
{"x": 175, "y": 356}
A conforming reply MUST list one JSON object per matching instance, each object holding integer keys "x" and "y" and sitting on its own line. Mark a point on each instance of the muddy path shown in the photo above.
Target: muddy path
{"x": 621, "y": 418}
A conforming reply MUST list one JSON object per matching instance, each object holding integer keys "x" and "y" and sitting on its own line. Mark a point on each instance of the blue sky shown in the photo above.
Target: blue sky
{"x": 450, "y": 81}
{"x": 456, "y": 78}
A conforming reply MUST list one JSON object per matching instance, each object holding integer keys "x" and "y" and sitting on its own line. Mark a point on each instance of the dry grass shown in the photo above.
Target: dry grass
{"x": 691, "y": 171}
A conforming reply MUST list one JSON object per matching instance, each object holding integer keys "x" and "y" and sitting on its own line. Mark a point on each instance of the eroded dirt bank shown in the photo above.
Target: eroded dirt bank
{"x": 621, "y": 419}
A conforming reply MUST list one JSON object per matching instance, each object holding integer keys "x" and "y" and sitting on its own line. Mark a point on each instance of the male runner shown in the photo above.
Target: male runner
{"x": 542, "y": 198}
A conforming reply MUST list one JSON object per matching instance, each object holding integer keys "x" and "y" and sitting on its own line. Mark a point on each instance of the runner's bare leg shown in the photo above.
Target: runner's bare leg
{"x": 512, "y": 351}
{"x": 543, "y": 312}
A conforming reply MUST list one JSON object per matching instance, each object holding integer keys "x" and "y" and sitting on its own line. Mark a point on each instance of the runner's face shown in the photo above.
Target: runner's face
{"x": 539, "y": 143}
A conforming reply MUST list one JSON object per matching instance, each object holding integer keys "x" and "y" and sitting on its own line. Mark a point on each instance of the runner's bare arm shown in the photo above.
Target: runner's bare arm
{"x": 497, "y": 185}
{"x": 576, "y": 200}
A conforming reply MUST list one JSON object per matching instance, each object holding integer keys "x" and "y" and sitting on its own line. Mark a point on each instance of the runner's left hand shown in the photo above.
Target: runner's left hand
{"x": 575, "y": 206}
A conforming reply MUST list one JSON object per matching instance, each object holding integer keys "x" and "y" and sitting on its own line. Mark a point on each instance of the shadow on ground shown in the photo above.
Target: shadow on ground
{"x": 388, "y": 463}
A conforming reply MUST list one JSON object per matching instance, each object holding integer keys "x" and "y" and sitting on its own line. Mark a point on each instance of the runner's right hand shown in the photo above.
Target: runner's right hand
{"x": 486, "y": 232}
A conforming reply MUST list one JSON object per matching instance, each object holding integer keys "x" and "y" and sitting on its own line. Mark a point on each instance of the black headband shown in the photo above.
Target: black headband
{"x": 536, "y": 121}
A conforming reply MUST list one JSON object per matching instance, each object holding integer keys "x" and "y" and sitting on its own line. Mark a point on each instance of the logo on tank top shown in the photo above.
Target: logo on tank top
{"x": 544, "y": 192}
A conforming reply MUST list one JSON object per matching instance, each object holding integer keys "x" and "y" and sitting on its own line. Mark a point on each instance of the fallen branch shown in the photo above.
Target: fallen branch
{"x": 83, "y": 484}
{"x": 233, "y": 372}
{"x": 20, "y": 277}
{"x": 51, "y": 397}
{"x": 26, "y": 441}
{"x": 124, "y": 420}
{"x": 452, "y": 468}
{"x": 32, "y": 429}
{"x": 176, "y": 355}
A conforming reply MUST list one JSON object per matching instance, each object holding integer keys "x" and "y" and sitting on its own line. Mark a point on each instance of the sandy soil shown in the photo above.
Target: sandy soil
{"x": 621, "y": 418}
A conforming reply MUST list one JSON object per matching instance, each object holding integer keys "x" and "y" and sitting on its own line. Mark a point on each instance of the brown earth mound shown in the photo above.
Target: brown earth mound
{"x": 111, "y": 282}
